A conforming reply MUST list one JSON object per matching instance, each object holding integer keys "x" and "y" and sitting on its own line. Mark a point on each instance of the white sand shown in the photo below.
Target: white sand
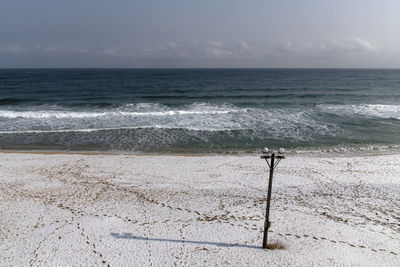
{"x": 208, "y": 210}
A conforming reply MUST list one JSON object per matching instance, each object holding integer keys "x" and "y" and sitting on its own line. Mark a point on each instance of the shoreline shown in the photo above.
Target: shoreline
{"x": 310, "y": 153}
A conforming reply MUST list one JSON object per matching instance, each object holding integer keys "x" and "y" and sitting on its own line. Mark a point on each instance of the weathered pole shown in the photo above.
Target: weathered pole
{"x": 267, "y": 223}
{"x": 266, "y": 154}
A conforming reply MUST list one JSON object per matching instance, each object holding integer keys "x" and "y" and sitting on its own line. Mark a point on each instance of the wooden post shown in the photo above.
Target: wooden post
{"x": 267, "y": 223}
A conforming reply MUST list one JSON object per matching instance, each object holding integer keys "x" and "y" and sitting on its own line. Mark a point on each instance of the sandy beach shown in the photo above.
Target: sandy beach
{"x": 163, "y": 210}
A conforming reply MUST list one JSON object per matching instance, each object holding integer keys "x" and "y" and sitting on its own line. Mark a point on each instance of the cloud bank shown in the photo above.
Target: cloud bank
{"x": 334, "y": 52}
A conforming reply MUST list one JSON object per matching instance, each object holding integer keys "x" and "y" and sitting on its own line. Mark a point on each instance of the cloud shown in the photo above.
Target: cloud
{"x": 216, "y": 49}
{"x": 210, "y": 49}
{"x": 12, "y": 49}
{"x": 213, "y": 43}
{"x": 54, "y": 49}
{"x": 337, "y": 46}
{"x": 354, "y": 44}
{"x": 38, "y": 49}
{"x": 362, "y": 44}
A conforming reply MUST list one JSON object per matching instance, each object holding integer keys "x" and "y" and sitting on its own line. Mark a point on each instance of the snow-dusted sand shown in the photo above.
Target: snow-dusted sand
{"x": 64, "y": 209}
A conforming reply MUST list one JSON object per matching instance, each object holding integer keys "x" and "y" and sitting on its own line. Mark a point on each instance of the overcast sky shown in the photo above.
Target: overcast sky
{"x": 200, "y": 33}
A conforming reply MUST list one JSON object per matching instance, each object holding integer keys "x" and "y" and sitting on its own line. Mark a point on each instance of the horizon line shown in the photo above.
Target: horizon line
{"x": 199, "y": 68}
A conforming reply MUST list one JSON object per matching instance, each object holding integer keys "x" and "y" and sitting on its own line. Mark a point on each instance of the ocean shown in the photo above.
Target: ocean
{"x": 200, "y": 110}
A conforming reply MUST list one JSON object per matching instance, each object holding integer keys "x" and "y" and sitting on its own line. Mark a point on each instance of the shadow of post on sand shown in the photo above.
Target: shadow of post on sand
{"x": 218, "y": 244}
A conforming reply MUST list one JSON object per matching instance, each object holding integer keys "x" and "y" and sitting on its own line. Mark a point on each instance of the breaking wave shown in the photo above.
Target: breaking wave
{"x": 150, "y": 127}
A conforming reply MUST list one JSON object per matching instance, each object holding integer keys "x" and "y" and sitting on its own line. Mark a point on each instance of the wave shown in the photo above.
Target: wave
{"x": 147, "y": 126}
{"x": 40, "y": 114}
{"x": 369, "y": 110}
{"x": 346, "y": 149}
{"x": 156, "y": 109}
{"x": 166, "y": 139}
{"x": 89, "y": 130}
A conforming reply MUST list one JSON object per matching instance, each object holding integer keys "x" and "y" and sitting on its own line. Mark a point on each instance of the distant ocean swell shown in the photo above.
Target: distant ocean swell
{"x": 200, "y": 127}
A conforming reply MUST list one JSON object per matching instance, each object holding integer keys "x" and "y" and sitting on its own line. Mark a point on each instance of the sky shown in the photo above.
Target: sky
{"x": 200, "y": 34}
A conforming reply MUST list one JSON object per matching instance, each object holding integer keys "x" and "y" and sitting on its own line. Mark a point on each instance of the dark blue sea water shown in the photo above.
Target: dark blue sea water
{"x": 200, "y": 110}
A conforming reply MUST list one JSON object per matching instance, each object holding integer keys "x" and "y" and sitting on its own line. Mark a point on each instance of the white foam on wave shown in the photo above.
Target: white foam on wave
{"x": 166, "y": 127}
{"x": 85, "y": 114}
{"x": 294, "y": 123}
{"x": 279, "y": 122}
{"x": 196, "y": 117}
{"x": 49, "y": 114}
{"x": 370, "y": 110}
{"x": 177, "y": 112}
